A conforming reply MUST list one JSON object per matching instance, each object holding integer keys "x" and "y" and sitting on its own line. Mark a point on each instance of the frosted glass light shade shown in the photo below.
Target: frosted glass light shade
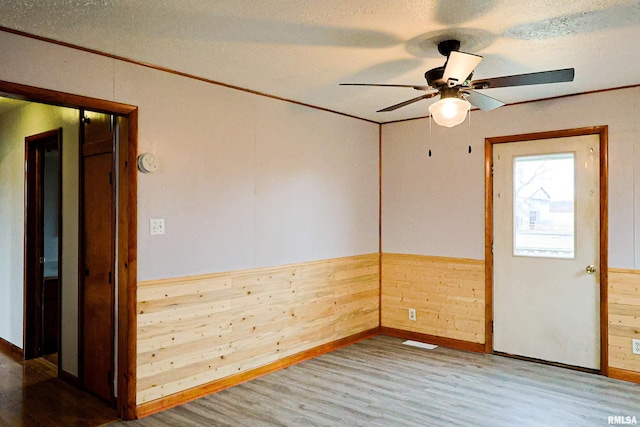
{"x": 449, "y": 112}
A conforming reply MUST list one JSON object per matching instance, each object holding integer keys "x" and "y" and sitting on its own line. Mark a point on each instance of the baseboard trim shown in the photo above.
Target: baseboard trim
{"x": 68, "y": 378}
{"x": 624, "y": 375}
{"x": 182, "y": 397}
{"x": 432, "y": 339}
{"x": 11, "y": 349}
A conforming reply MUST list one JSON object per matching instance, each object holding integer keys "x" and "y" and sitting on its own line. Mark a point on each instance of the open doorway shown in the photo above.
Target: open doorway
{"x": 42, "y": 245}
{"x": 124, "y": 241}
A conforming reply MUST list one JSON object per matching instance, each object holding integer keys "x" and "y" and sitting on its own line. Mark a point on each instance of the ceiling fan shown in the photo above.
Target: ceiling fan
{"x": 458, "y": 92}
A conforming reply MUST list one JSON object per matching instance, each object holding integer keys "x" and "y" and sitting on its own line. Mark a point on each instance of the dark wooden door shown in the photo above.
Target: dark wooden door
{"x": 41, "y": 293}
{"x": 98, "y": 287}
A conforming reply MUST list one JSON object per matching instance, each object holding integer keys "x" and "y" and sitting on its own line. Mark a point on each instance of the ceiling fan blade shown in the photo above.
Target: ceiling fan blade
{"x": 482, "y": 101}
{"x": 416, "y": 87}
{"x": 459, "y": 66}
{"x": 405, "y": 103}
{"x": 555, "y": 76}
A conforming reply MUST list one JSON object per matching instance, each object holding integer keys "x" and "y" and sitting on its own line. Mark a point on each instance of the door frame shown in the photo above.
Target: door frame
{"x": 33, "y": 228}
{"x": 602, "y": 131}
{"x": 126, "y": 239}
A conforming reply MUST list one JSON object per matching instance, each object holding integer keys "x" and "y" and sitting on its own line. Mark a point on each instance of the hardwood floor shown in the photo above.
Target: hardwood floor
{"x": 380, "y": 382}
{"x": 31, "y": 395}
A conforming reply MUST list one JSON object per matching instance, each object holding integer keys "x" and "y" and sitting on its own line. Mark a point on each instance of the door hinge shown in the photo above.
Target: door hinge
{"x": 109, "y": 277}
{"x": 110, "y": 177}
{"x": 492, "y": 326}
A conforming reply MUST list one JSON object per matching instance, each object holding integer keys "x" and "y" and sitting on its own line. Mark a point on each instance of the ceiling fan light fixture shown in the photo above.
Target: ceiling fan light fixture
{"x": 449, "y": 111}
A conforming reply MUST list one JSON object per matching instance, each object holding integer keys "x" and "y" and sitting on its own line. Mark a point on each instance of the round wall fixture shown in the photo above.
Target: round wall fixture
{"x": 147, "y": 163}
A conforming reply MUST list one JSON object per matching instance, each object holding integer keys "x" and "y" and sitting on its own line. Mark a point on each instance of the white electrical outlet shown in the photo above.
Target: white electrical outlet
{"x": 156, "y": 226}
{"x": 412, "y": 314}
{"x": 635, "y": 346}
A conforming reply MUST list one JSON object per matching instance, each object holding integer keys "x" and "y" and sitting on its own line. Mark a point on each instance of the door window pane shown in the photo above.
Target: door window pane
{"x": 543, "y": 211}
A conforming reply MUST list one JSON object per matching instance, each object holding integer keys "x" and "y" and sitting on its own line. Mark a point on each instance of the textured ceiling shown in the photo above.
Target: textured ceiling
{"x": 302, "y": 49}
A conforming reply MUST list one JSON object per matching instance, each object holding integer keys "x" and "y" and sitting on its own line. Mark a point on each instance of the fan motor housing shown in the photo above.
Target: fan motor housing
{"x": 434, "y": 77}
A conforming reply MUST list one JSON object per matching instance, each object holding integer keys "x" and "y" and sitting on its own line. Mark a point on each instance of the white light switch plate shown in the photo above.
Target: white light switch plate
{"x": 156, "y": 226}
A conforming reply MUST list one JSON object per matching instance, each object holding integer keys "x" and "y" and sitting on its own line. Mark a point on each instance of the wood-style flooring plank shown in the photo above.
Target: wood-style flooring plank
{"x": 31, "y": 395}
{"x": 381, "y": 382}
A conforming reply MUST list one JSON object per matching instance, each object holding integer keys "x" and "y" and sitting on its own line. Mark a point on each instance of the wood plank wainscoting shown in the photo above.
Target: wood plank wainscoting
{"x": 197, "y": 335}
{"x": 447, "y": 293}
{"x": 624, "y": 323}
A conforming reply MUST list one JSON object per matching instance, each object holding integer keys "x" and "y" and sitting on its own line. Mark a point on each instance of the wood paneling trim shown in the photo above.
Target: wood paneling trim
{"x": 200, "y": 329}
{"x": 176, "y": 399}
{"x": 447, "y": 293}
{"x": 251, "y": 271}
{"x": 7, "y": 347}
{"x": 412, "y": 259}
{"x": 623, "y": 321}
{"x": 431, "y": 339}
{"x": 623, "y": 271}
{"x": 624, "y": 375}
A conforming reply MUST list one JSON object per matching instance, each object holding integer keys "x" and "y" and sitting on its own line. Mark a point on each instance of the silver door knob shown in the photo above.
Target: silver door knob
{"x": 591, "y": 269}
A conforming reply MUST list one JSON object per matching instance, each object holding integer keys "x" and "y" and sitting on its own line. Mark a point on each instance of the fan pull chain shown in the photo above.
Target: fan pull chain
{"x": 469, "y": 134}
{"x": 429, "y": 135}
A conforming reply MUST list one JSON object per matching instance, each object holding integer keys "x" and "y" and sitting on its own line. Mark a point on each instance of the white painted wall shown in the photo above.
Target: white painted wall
{"x": 15, "y": 125}
{"x": 247, "y": 181}
{"x": 435, "y": 206}
{"x": 431, "y": 205}
{"x": 244, "y": 180}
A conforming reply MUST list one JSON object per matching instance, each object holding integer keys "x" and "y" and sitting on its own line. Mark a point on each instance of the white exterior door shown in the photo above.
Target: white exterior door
{"x": 546, "y": 225}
